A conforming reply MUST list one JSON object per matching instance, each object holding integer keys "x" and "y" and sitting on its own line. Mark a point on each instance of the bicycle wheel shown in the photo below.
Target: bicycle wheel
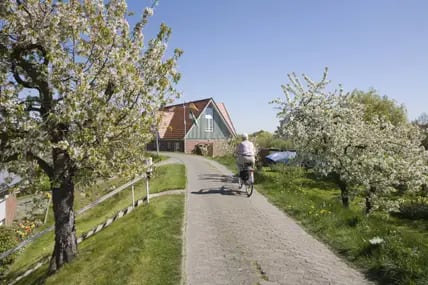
{"x": 249, "y": 189}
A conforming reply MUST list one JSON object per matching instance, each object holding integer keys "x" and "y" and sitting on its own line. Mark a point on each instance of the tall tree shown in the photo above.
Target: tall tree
{"x": 74, "y": 83}
{"x": 324, "y": 126}
{"x": 376, "y": 106}
{"x": 422, "y": 123}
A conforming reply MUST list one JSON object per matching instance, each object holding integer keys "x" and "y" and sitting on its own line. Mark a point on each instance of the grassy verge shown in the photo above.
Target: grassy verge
{"x": 142, "y": 248}
{"x": 157, "y": 158}
{"x": 228, "y": 161}
{"x": 87, "y": 194}
{"x": 388, "y": 249}
{"x": 167, "y": 177}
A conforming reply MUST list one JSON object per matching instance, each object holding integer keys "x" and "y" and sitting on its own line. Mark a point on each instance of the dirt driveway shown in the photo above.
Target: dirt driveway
{"x": 232, "y": 239}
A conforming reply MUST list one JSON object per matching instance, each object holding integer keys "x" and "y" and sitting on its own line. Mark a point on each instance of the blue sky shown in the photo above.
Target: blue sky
{"x": 240, "y": 51}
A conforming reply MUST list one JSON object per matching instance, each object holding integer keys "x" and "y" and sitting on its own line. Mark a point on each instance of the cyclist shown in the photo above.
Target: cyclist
{"x": 245, "y": 152}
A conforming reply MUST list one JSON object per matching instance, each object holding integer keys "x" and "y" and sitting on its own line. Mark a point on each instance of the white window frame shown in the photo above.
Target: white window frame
{"x": 209, "y": 114}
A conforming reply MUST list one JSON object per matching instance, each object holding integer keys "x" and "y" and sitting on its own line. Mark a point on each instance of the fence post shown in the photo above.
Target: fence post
{"x": 149, "y": 164}
{"x": 133, "y": 196}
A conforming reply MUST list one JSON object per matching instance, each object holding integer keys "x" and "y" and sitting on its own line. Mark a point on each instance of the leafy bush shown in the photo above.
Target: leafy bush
{"x": 413, "y": 210}
{"x": 411, "y": 206}
{"x": 25, "y": 228}
{"x": 201, "y": 149}
{"x": 7, "y": 241}
{"x": 157, "y": 157}
{"x": 264, "y": 139}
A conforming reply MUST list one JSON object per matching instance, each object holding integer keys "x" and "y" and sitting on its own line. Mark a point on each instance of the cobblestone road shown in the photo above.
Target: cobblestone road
{"x": 232, "y": 239}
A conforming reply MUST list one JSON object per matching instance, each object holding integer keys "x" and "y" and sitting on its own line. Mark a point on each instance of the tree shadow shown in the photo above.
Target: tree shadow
{"x": 320, "y": 182}
{"x": 218, "y": 178}
{"x": 222, "y": 191}
{"x": 37, "y": 277}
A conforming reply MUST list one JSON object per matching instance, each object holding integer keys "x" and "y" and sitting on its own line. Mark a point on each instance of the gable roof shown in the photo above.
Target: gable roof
{"x": 226, "y": 116}
{"x": 172, "y": 124}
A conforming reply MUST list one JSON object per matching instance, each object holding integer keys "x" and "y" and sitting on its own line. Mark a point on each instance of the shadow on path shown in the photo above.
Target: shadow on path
{"x": 218, "y": 178}
{"x": 222, "y": 191}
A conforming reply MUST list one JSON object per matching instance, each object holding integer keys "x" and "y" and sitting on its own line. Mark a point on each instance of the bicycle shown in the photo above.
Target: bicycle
{"x": 246, "y": 178}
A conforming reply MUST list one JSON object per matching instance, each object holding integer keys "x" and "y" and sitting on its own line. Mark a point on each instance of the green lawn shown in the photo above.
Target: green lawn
{"x": 400, "y": 258}
{"x": 144, "y": 247}
{"x": 43, "y": 247}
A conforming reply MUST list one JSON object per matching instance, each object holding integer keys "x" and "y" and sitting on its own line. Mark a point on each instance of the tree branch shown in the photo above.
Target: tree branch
{"x": 42, "y": 163}
{"x": 20, "y": 3}
{"x": 33, "y": 109}
{"x": 33, "y": 71}
{"x": 103, "y": 65}
{"x": 18, "y": 78}
{"x": 109, "y": 90}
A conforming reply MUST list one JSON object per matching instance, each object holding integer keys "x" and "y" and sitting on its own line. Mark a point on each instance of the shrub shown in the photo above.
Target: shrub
{"x": 7, "y": 241}
{"x": 413, "y": 210}
{"x": 201, "y": 149}
{"x": 25, "y": 228}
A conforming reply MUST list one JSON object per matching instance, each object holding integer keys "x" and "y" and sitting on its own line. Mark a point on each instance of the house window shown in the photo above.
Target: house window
{"x": 209, "y": 119}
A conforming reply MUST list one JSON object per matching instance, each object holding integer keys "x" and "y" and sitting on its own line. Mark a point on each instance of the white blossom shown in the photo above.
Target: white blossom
{"x": 331, "y": 128}
{"x": 149, "y": 11}
{"x": 376, "y": 241}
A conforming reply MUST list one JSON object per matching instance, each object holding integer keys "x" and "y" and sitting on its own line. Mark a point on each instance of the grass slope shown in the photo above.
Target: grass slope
{"x": 43, "y": 247}
{"x": 143, "y": 247}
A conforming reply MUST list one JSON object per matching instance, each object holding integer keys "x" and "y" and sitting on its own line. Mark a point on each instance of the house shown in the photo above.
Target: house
{"x": 184, "y": 126}
{"x": 7, "y": 207}
{"x": 7, "y": 200}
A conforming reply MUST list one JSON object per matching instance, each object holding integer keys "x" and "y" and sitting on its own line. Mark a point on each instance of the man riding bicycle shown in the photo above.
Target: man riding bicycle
{"x": 245, "y": 152}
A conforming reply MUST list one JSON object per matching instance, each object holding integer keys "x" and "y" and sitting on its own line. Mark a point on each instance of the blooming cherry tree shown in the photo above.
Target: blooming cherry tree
{"x": 75, "y": 80}
{"x": 324, "y": 126}
{"x": 329, "y": 127}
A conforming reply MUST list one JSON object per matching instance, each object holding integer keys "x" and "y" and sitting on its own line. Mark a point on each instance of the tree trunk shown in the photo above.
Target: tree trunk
{"x": 63, "y": 199}
{"x": 369, "y": 196}
{"x": 424, "y": 189}
{"x": 344, "y": 192}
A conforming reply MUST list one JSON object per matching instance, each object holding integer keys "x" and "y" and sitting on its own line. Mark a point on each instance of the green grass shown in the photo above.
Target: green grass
{"x": 87, "y": 194}
{"x": 158, "y": 158}
{"x": 316, "y": 204}
{"x": 167, "y": 177}
{"x": 141, "y": 248}
{"x": 228, "y": 161}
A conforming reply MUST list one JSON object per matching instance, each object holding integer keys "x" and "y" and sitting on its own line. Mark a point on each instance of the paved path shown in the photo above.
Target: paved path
{"x": 232, "y": 239}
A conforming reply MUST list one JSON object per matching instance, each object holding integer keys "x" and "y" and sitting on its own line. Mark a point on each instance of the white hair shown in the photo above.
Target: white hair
{"x": 245, "y": 136}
